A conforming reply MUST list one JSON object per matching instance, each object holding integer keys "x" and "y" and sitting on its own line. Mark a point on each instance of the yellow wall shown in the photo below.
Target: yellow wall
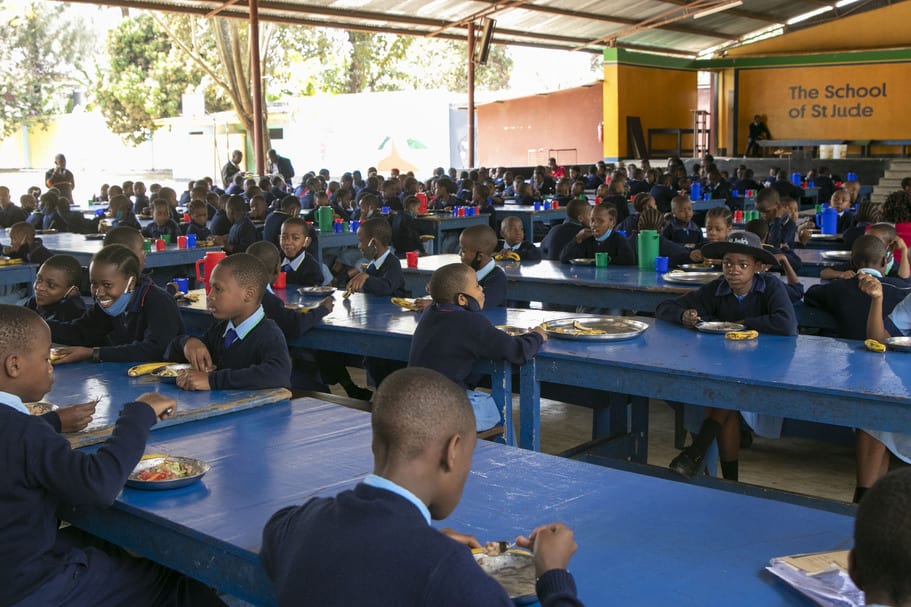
{"x": 799, "y": 103}
{"x": 662, "y": 97}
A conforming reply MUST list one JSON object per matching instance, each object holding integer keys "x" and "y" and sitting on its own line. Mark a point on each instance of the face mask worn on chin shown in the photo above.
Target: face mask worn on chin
{"x": 889, "y": 264}
{"x": 472, "y": 304}
{"x": 119, "y": 306}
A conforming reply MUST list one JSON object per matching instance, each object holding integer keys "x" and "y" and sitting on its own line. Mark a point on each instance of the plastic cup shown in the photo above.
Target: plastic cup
{"x": 461, "y": 211}
{"x": 191, "y": 241}
{"x": 345, "y": 227}
{"x": 160, "y": 245}
{"x": 385, "y": 210}
{"x": 183, "y": 284}
{"x": 281, "y": 282}
{"x": 412, "y": 259}
{"x": 181, "y": 242}
{"x": 546, "y": 205}
{"x": 166, "y": 238}
{"x": 555, "y": 205}
{"x": 337, "y": 227}
{"x": 147, "y": 245}
{"x": 537, "y": 206}
{"x": 738, "y": 216}
{"x": 602, "y": 260}
{"x": 661, "y": 265}
{"x": 355, "y": 225}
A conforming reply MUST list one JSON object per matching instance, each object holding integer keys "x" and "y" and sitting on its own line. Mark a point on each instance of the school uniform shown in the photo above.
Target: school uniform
{"x": 202, "y": 232}
{"x": 526, "y": 250}
{"x": 12, "y": 214}
{"x": 242, "y": 234}
{"x": 219, "y": 224}
{"x": 127, "y": 219}
{"x": 42, "y": 474}
{"x": 558, "y": 237}
{"x": 683, "y": 233}
{"x": 620, "y": 203}
{"x": 56, "y": 221}
{"x": 849, "y": 305}
{"x": 854, "y": 232}
{"x": 663, "y": 196}
{"x": 782, "y": 231}
{"x": 292, "y": 323}
{"x": 826, "y": 187}
{"x": 630, "y": 224}
{"x": 250, "y": 356}
{"x": 140, "y": 204}
{"x": 492, "y": 279}
{"x": 846, "y": 220}
{"x": 385, "y": 277}
{"x": 141, "y": 333}
{"x": 303, "y": 270}
{"x": 35, "y": 253}
{"x": 67, "y": 309}
{"x": 676, "y": 253}
{"x": 272, "y": 228}
{"x": 382, "y": 531}
{"x": 621, "y": 254}
{"x": 36, "y": 220}
{"x": 170, "y": 229}
{"x": 406, "y": 236}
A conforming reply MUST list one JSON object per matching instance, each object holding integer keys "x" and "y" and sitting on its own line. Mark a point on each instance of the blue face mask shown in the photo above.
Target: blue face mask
{"x": 889, "y": 265}
{"x": 604, "y": 236}
{"x": 472, "y": 305}
{"x": 119, "y": 306}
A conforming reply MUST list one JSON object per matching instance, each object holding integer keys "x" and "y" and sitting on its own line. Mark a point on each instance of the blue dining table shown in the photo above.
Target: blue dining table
{"x": 529, "y": 216}
{"x": 110, "y": 384}
{"x": 83, "y": 249}
{"x": 436, "y": 224}
{"x": 642, "y": 540}
{"x": 19, "y": 273}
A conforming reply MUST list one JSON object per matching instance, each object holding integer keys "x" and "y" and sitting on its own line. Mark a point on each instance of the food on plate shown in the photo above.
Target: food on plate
{"x": 507, "y": 255}
{"x": 741, "y": 335}
{"x": 145, "y": 369}
{"x": 167, "y": 470}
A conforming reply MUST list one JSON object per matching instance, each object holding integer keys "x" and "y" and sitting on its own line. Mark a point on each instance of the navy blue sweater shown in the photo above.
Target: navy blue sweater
{"x": 557, "y": 238}
{"x": 259, "y": 360}
{"x": 527, "y": 251}
{"x": 682, "y": 233}
{"x": 36, "y": 253}
{"x": 202, "y": 232}
{"x": 40, "y": 473}
{"x": 308, "y": 273}
{"x": 449, "y": 339}
{"x": 153, "y": 230}
{"x": 291, "y": 322}
{"x": 849, "y": 305}
{"x": 387, "y": 279}
{"x": 621, "y": 253}
{"x": 399, "y": 559}
{"x": 219, "y": 224}
{"x": 765, "y": 308}
{"x": 494, "y": 285}
{"x": 242, "y": 234}
{"x": 68, "y": 308}
{"x": 141, "y": 333}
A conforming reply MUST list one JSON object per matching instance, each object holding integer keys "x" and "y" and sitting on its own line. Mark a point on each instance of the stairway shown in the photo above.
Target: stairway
{"x": 891, "y": 180}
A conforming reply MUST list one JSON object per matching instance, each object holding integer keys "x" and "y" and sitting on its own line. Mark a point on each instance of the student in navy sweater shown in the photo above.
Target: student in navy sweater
{"x": 476, "y": 249}
{"x": 383, "y": 275}
{"x": 641, "y": 202}
{"x": 578, "y": 213}
{"x": 199, "y": 215}
{"x": 242, "y": 350}
{"x": 894, "y": 244}
{"x": 39, "y": 564}
{"x": 600, "y": 238}
{"x": 120, "y": 211}
{"x": 57, "y": 289}
{"x": 25, "y": 246}
{"x": 423, "y": 440}
{"x": 290, "y": 207}
{"x": 133, "y": 320}
{"x": 745, "y": 295}
{"x": 242, "y": 233}
{"x": 298, "y": 264}
{"x": 451, "y": 336}
{"x": 681, "y": 228}
{"x": 513, "y": 233}
{"x": 162, "y": 225}
{"x": 406, "y": 234}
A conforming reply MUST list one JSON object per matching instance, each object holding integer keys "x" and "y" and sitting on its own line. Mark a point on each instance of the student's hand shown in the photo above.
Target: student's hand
{"x": 328, "y": 303}
{"x": 421, "y": 302}
{"x": 540, "y": 331}
{"x": 462, "y": 538}
{"x": 163, "y": 406}
{"x": 690, "y": 318}
{"x": 553, "y": 545}
{"x": 898, "y": 244}
{"x": 870, "y": 285}
{"x": 782, "y": 260}
{"x": 76, "y": 417}
{"x": 803, "y": 235}
{"x": 696, "y": 255}
{"x": 584, "y": 234}
{"x": 192, "y": 379}
{"x": 690, "y": 245}
{"x": 197, "y": 354}
{"x": 356, "y": 283}
{"x": 219, "y": 241}
{"x": 72, "y": 354}
{"x": 845, "y": 274}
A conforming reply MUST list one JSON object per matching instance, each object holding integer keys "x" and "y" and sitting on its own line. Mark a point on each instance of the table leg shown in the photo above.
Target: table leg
{"x": 529, "y": 407}
{"x": 501, "y": 389}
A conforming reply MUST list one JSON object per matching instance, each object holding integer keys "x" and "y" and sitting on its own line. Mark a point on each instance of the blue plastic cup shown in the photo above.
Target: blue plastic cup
{"x": 191, "y": 241}
{"x": 183, "y": 284}
{"x": 547, "y": 205}
{"x": 385, "y": 210}
{"x": 537, "y": 206}
{"x": 354, "y": 225}
{"x": 661, "y": 265}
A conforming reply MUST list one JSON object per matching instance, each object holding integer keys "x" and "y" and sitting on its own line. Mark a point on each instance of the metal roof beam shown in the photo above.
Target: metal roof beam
{"x": 736, "y": 12}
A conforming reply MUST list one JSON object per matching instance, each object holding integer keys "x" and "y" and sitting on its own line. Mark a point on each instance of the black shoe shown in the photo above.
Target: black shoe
{"x": 687, "y": 464}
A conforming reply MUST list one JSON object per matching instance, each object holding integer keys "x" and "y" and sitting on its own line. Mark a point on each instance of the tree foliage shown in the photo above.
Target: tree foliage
{"x": 42, "y": 59}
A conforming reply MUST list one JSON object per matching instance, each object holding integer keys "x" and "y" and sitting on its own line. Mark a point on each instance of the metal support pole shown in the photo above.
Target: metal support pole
{"x": 471, "y": 43}
{"x": 256, "y": 77}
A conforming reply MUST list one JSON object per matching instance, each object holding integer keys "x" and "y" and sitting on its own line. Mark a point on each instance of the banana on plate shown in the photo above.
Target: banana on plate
{"x": 874, "y": 346}
{"x": 741, "y": 335}
{"x": 145, "y": 369}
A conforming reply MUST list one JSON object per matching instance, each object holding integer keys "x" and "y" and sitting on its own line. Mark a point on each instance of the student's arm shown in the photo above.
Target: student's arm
{"x": 904, "y": 269}
{"x": 389, "y": 281}
{"x": 271, "y": 367}
{"x": 817, "y": 296}
{"x": 831, "y": 273}
{"x": 623, "y": 253}
{"x": 162, "y": 324}
{"x": 494, "y": 344}
{"x": 88, "y": 330}
{"x": 530, "y": 252}
{"x": 876, "y": 328}
{"x": 673, "y": 310}
{"x": 576, "y": 248}
{"x": 781, "y": 318}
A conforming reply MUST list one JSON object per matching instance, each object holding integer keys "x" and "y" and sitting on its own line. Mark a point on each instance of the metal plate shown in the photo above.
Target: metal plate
{"x": 719, "y": 327}
{"x": 609, "y": 328}
{"x": 169, "y": 373}
{"x": 583, "y": 261}
{"x": 825, "y": 236}
{"x": 698, "y": 267}
{"x": 316, "y": 291}
{"x": 512, "y": 330}
{"x": 836, "y": 255}
{"x": 899, "y": 344}
{"x": 197, "y": 469}
{"x": 514, "y": 571}
{"x": 691, "y": 278}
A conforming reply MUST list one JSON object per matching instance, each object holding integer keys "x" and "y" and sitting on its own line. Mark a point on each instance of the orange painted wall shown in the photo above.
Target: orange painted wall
{"x": 799, "y": 103}
{"x": 507, "y": 130}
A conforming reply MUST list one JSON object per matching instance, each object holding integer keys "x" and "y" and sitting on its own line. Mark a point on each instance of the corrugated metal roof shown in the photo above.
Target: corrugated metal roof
{"x": 665, "y": 26}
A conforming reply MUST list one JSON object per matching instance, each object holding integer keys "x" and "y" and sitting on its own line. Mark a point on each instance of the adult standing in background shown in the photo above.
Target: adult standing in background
{"x": 279, "y": 165}
{"x": 231, "y": 168}
{"x": 758, "y": 131}
{"x": 61, "y": 178}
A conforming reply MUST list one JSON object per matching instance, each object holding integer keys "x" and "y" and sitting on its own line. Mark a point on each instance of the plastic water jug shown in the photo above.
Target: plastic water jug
{"x": 829, "y": 221}
{"x": 647, "y": 249}
{"x": 325, "y": 218}
{"x": 208, "y": 264}
{"x": 796, "y": 179}
{"x": 696, "y": 191}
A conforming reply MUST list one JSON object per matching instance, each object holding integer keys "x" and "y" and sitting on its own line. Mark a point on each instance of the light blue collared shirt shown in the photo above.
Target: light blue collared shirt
{"x": 246, "y": 326}
{"x": 269, "y": 289}
{"x": 378, "y": 262}
{"x": 297, "y": 261}
{"x": 384, "y": 483}
{"x": 11, "y": 400}
{"x": 483, "y": 272}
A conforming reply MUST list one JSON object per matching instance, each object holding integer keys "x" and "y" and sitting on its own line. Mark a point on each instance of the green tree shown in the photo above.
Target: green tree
{"x": 42, "y": 59}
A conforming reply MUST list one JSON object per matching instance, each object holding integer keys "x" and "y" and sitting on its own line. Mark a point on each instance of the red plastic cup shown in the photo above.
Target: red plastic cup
{"x": 181, "y": 242}
{"x": 160, "y": 245}
{"x": 281, "y": 282}
{"x": 738, "y": 216}
{"x": 554, "y": 204}
{"x": 461, "y": 211}
{"x": 412, "y": 258}
{"x": 186, "y": 217}
{"x": 422, "y": 198}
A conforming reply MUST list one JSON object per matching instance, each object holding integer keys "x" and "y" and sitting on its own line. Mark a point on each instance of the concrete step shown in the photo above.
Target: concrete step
{"x": 898, "y": 173}
{"x": 890, "y": 183}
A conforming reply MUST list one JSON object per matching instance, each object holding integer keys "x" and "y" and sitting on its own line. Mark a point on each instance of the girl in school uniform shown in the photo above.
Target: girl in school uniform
{"x": 133, "y": 320}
